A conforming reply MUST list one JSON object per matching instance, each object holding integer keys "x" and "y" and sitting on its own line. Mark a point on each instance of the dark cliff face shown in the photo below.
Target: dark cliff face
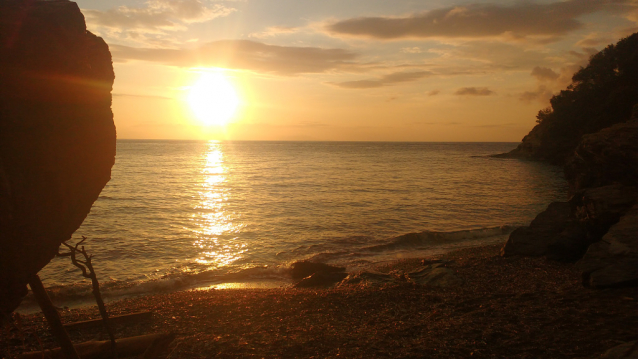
{"x": 57, "y": 137}
{"x": 590, "y": 130}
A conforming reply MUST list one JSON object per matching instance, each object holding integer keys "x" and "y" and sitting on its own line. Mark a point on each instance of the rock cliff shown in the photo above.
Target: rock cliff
{"x": 57, "y": 136}
{"x": 597, "y": 226}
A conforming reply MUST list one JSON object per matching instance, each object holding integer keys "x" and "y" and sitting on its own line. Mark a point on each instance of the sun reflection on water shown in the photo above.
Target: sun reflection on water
{"x": 215, "y": 229}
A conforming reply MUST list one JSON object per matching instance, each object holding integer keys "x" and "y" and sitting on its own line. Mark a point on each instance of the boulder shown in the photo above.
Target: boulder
{"x": 57, "y": 136}
{"x": 570, "y": 244}
{"x": 613, "y": 261}
{"x": 303, "y": 269}
{"x": 565, "y": 230}
{"x": 627, "y": 350}
{"x": 606, "y": 157}
{"x": 535, "y": 239}
{"x": 435, "y": 275}
{"x": 599, "y": 208}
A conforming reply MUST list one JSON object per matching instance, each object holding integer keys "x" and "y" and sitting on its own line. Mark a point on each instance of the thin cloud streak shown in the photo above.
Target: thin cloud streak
{"x": 243, "y": 55}
{"x": 544, "y": 74}
{"x": 156, "y": 16}
{"x": 474, "y": 91}
{"x": 386, "y": 80}
{"x": 480, "y": 21}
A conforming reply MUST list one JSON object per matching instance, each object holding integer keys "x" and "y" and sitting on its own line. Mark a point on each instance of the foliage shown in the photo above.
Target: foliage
{"x": 600, "y": 95}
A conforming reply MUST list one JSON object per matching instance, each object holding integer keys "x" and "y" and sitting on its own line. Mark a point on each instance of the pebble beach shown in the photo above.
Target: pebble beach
{"x": 505, "y": 308}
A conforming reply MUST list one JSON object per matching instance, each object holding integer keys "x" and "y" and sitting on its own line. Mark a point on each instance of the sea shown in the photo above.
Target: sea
{"x": 187, "y": 215}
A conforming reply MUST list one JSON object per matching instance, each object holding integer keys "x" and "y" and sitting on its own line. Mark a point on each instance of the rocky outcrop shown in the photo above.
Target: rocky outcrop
{"x": 606, "y": 157}
{"x": 535, "y": 239}
{"x": 613, "y": 261}
{"x": 57, "y": 137}
{"x": 598, "y": 224}
{"x": 565, "y": 230}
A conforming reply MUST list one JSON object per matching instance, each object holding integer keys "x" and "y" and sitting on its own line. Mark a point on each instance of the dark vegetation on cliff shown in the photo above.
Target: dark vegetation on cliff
{"x": 601, "y": 95}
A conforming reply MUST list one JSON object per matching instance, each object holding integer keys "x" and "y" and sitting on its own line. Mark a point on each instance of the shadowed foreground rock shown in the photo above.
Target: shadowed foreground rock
{"x": 613, "y": 261}
{"x": 606, "y": 157}
{"x": 57, "y": 137}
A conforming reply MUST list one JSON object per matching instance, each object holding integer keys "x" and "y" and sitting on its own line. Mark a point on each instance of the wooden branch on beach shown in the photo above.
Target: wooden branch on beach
{"x": 88, "y": 272}
{"x": 115, "y": 320}
{"x": 53, "y": 317}
{"x": 126, "y": 347}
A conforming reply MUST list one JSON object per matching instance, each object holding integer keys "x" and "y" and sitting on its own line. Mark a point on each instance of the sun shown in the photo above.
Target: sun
{"x": 213, "y": 99}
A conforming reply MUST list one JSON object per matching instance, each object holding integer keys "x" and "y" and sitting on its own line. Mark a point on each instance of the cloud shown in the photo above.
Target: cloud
{"x": 544, "y": 74}
{"x": 274, "y": 31}
{"x": 480, "y": 21}
{"x": 243, "y": 54}
{"x": 474, "y": 91}
{"x": 593, "y": 40}
{"x": 156, "y": 16}
{"x": 434, "y": 92}
{"x": 390, "y": 79}
{"x": 541, "y": 94}
{"x": 496, "y": 125}
{"x": 411, "y": 50}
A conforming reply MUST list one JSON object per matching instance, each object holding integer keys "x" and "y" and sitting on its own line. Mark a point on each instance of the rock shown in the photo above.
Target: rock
{"x": 57, "y": 137}
{"x": 535, "y": 239}
{"x": 612, "y": 262}
{"x": 321, "y": 279}
{"x": 303, "y": 269}
{"x": 606, "y": 157}
{"x": 435, "y": 276}
{"x": 623, "y": 351}
{"x": 565, "y": 230}
{"x": 368, "y": 278}
{"x": 570, "y": 244}
{"x": 529, "y": 147}
{"x": 599, "y": 208}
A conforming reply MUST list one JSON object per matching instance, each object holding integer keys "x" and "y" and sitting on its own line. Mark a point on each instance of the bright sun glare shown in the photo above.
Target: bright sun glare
{"x": 213, "y": 99}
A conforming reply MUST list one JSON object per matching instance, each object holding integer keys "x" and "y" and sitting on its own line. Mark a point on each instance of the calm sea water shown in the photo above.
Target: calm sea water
{"x": 181, "y": 214}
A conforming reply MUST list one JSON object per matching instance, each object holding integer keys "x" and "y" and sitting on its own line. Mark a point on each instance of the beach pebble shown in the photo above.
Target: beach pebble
{"x": 434, "y": 275}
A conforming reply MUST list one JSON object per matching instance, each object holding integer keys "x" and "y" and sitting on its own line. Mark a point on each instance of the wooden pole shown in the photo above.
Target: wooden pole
{"x": 53, "y": 317}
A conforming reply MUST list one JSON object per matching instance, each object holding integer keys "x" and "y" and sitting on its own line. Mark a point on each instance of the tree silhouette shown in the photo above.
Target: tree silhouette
{"x": 600, "y": 95}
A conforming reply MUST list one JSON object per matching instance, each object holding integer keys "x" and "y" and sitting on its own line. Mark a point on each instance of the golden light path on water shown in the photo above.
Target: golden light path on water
{"x": 217, "y": 237}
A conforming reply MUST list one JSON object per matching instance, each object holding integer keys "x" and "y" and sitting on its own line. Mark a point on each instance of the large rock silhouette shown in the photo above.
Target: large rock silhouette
{"x": 57, "y": 137}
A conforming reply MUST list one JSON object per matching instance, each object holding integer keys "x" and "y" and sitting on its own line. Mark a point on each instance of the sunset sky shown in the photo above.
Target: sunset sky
{"x": 359, "y": 70}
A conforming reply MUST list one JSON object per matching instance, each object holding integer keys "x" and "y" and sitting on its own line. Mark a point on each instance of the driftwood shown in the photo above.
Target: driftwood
{"x": 53, "y": 317}
{"x": 126, "y": 347}
{"x": 116, "y": 320}
{"x": 88, "y": 272}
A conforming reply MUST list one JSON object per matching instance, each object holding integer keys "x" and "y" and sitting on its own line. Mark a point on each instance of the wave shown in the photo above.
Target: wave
{"x": 431, "y": 238}
{"x": 352, "y": 252}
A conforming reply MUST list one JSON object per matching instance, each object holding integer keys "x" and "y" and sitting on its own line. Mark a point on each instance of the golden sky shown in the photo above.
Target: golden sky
{"x": 354, "y": 70}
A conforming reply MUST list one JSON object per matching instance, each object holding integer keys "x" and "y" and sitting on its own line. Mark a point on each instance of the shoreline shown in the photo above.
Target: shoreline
{"x": 232, "y": 281}
{"x": 506, "y": 307}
